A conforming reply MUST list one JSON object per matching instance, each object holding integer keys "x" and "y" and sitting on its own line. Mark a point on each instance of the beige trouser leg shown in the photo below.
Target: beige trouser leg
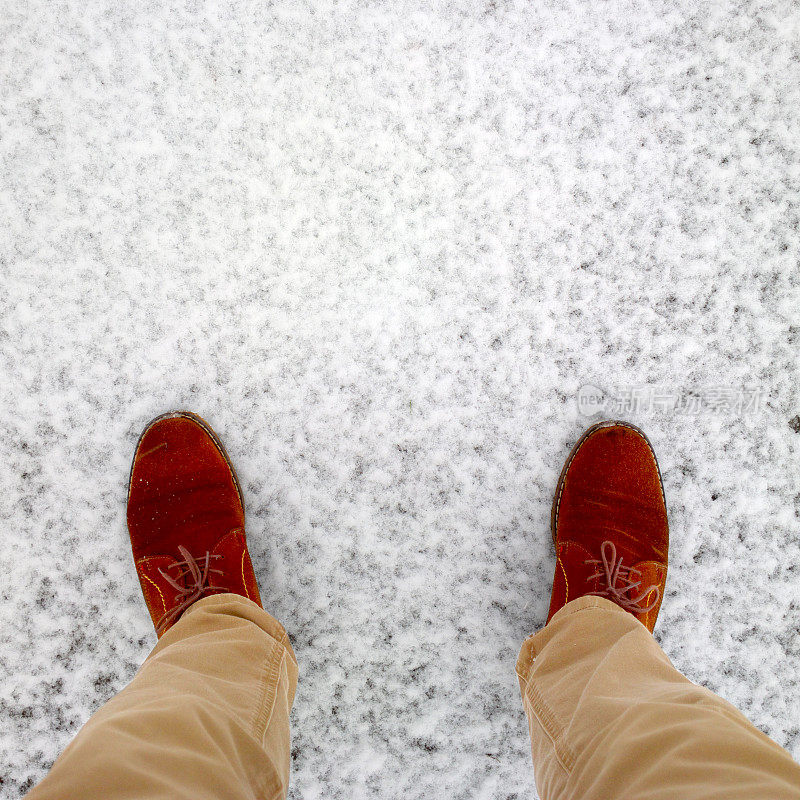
{"x": 612, "y": 719}
{"x": 206, "y": 716}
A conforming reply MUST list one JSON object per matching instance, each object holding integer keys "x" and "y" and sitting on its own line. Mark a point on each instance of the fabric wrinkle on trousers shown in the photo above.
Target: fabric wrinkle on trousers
{"x": 610, "y": 718}
{"x": 206, "y": 716}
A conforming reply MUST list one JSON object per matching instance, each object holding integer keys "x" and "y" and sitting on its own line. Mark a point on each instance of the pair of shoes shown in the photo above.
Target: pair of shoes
{"x": 186, "y": 520}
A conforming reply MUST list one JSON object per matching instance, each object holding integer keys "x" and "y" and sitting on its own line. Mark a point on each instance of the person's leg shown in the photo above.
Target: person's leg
{"x": 610, "y": 718}
{"x": 206, "y": 716}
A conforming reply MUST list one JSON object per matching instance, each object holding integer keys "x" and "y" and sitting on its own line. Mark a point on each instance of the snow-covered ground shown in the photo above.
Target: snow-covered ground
{"x": 380, "y": 247}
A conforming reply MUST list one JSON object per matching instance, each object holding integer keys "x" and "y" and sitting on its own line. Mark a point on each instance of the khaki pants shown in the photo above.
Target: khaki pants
{"x": 207, "y": 716}
{"x": 611, "y": 718}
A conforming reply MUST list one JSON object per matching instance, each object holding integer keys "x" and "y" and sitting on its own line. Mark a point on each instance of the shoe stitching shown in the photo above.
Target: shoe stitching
{"x": 566, "y": 582}
{"x": 160, "y": 594}
{"x": 653, "y": 611}
{"x": 244, "y": 582}
{"x": 561, "y": 550}
{"x": 235, "y": 533}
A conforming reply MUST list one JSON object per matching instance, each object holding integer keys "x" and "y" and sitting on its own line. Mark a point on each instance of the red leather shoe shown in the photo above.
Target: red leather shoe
{"x": 186, "y": 518}
{"x": 609, "y": 523}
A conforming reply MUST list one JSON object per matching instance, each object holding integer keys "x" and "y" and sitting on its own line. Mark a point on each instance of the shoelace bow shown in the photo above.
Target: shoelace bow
{"x": 192, "y": 589}
{"x": 612, "y": 570}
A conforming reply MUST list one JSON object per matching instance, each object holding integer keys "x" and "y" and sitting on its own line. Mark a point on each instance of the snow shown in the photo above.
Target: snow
{"x": 380, "y": 247}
